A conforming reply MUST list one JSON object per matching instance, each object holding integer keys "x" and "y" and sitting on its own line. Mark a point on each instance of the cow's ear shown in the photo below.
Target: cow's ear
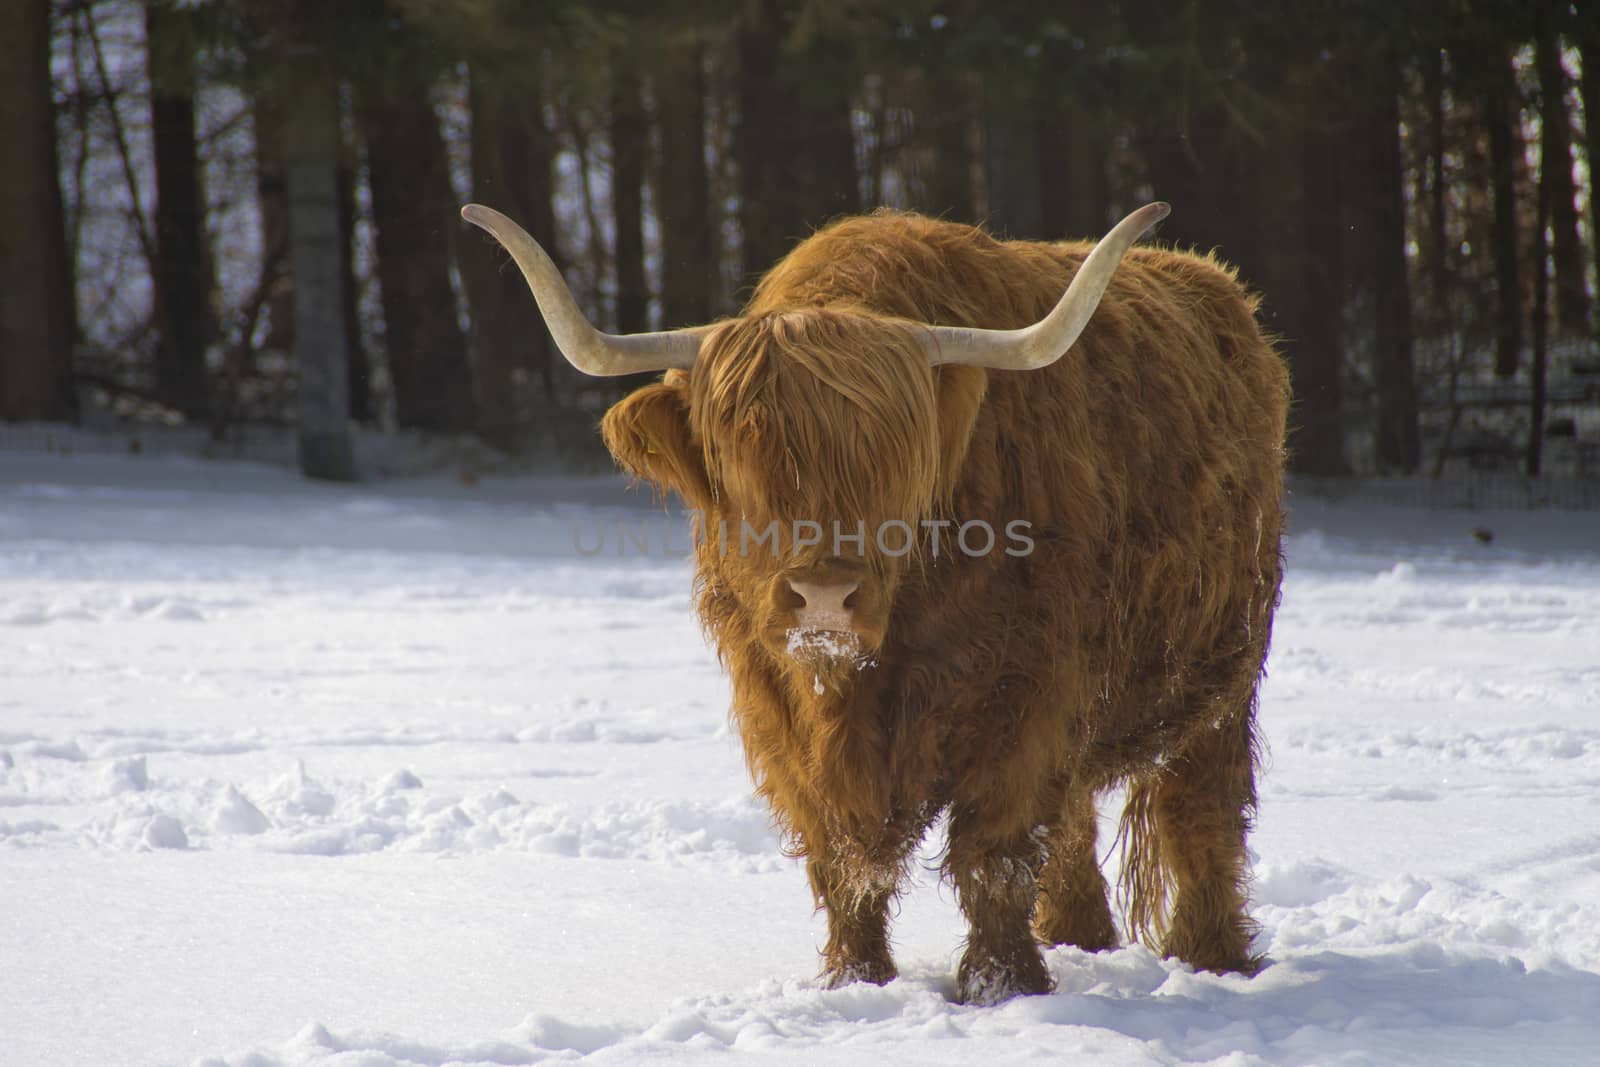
{"x": 960, "y": 392}
{"x": 648, "y": 435}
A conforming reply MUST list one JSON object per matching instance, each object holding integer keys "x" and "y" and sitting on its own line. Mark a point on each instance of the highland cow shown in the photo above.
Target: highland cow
{"x": 902, "y": 373}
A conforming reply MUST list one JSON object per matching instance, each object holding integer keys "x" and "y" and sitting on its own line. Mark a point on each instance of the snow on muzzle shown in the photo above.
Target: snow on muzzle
{"x": 833, "y": 610}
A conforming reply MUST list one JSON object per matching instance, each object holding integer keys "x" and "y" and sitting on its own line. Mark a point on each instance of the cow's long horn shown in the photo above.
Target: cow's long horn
{"x": 601, "y": 354}
{"x": 1041, "y": 344}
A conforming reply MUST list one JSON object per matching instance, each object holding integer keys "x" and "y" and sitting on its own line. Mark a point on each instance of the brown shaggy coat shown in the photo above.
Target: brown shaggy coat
{"x": 1005, "y": 690}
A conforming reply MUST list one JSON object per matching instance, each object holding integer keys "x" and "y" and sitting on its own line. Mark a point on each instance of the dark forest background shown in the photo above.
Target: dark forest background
{"x": 237, "y": 212}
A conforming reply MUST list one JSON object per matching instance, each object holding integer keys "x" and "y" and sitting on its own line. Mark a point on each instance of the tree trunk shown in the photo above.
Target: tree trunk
{"x": 1589, "y": 36}
{"x": 358, "y": 373}
{"x": 825, "y": 182}
{"x": 1437, "y": 246}
{"x": 758, "y": 140}
{"x": 311, "y": 149}
{"x": 1011, "y": 140}
{"x": 950, "y": 193}
{"x": 1399, "y": 445}
{"x": 1555, "y": 123}
{"x": 412, "y": 204}
{"x": 1318, "y": 366}
{"x": 1074, "y": 191}
{"x": 512, "y": 155}
{"x": 1501, "y": 114}
{"x": 794, "y": 142}
{"x": 1210, "y": 174}
{"x": 629, "y": 134}
{"x": 37, "y": 309}
{"x": 1298, "y": 275}
{"x": 182, "y": 267}
{"x": 1534, "y": 457}
{"x": 688, "y": 250}
{"x": 766, "y": 227}
{"x": 504, "y": 316}
{"x": 272, "y": 199}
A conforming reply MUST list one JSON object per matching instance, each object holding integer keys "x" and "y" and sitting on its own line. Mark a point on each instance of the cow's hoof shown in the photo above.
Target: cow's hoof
{"x": 987, "y": 982}
{"x": 1223, "y": 948}
{"x": 835, "y": 975}
{"x": 1088, "y": 928}
{"x": 1220, "y": 962}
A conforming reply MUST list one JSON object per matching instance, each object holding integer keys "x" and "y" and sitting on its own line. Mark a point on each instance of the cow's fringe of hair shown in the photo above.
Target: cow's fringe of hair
{"x": 1142, "y": 885}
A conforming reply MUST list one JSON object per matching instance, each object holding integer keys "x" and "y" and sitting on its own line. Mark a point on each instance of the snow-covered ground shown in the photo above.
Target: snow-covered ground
{"x": 296, "y": 774}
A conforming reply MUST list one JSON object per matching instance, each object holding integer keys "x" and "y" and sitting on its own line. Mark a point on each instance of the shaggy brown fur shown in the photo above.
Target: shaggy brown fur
{"x": 1007, "y": 691}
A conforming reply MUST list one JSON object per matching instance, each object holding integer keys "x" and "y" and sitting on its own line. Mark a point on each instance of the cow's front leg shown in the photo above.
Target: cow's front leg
{"x": 856, "y": 889}
{"x": 996, "y": 874}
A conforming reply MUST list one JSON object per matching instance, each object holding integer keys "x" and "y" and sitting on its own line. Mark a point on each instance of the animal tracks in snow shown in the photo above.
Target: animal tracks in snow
{"x": 1545, "y": 749}
{"x": 295, "y": 812}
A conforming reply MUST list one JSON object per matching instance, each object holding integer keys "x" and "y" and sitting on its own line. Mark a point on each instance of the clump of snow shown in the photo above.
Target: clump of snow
{"x": 400, "y": 780}
{"x": 126, "y": 775}
{"x": 234, "y": 814}
{"x": 163, "y": 831}
{"x": 300, "y": 794}
{"x": 1401, "y": 573}
{"x": 1298, "y": 884}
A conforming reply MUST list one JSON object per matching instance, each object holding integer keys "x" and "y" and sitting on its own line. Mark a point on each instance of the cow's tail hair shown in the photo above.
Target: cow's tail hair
{"x": 1142, "y": 887}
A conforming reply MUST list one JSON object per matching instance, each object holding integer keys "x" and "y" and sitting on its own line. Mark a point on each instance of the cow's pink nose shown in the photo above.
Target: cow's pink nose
{"x": 824, "y": 605}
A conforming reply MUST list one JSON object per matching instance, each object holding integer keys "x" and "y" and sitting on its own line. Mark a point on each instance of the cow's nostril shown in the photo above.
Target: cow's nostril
{"x": 824, "y": 604}
{"x": 791, "y": 597}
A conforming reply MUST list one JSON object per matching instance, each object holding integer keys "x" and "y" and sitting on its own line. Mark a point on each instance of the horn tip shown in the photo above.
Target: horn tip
{"x": 1146, "y": 217}
{"x": 476, "y": 214}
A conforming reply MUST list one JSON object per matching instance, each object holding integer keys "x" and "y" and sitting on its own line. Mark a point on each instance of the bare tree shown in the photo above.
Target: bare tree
{"x": 1587, "y": 27}
{"x": 1394, "y": 375}
{"x": 408, "y": 172}
{"x": 1534, "y": 454}
{"x": 513, "y": 152}
{"x": 1072, "y": 171}
{"x": 1011, "y": 157}
{"x": 794, "y": 142}
{"x": 629, "y": 147}
{"x": 1555, "y": 124}
{"x": 182, "y": 263}
{"x": 276, "y": 285}
{"x": 311, "y": 149}
{"x": 688, "y": 247}
{"x": 950, "y": 193}
{"x": 37, "y": 325}
{"x": 1501, "y": 110}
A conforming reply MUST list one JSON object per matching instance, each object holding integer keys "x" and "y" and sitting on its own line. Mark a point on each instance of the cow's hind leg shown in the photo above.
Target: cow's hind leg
{"x": 995, "y": 874}
{"x": 1072, "y": 906}
{"x": 1187, "y": 826}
